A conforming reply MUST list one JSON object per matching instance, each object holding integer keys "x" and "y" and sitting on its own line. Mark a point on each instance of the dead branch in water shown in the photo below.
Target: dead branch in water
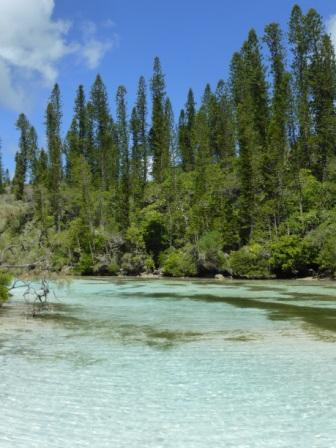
{"x": 35, "y": 295}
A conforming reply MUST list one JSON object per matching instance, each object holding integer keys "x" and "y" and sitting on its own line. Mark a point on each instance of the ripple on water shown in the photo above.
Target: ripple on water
{"x": 171, "y": 364}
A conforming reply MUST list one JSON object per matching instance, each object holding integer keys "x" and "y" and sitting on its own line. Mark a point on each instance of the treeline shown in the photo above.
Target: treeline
{"x": 243, "y": 184}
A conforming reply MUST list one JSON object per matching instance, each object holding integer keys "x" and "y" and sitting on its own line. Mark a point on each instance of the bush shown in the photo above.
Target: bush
{"x": 250, "y": 262}
{"x": 133, "y": 264}
{"x": 292, "y": 256}
{"x": 84, "y": 265}
{"x": 179, "y": 263}
{"x": 5, "y": 280}
{"x": 327, "y": 256}
{"x": 211, "y": 258}
{"x": 149, "y": 264}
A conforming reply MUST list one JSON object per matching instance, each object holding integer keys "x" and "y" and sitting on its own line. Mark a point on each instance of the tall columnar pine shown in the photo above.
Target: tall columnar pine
{"x": 105, "y": 154}
{"x": 158, "y": 140}
{"x": 224, "y": 131}
{"x": 323, "y": 91}
{"x": 139, "y": 158}
{"x": 77, "y": 137}
{"x": 55, "y": 148}
{"x": 40, "y": 188}
{"x": 170, "y": 136}
{"x": 252, "y": 111}
{"x": 123, "y": 149}
{"x": 275, "y": 159}
{"x": 300, "y": 72}
{"x": 2, "y": 174}
{"x": 32, "y": 154}
{"x": 185, "y": 133}
{"x": 257, "y": 91}
{"x": 247, "y": 142}
{"x": 201, "y": 143}
{"x": 22, "y": 157}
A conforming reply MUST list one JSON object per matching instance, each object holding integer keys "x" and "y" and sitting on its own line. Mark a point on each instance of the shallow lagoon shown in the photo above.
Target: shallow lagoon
{"x": 173, "y": 364}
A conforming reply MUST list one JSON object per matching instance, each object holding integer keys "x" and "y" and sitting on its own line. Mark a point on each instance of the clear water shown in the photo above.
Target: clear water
{"x": 171, "y": 364}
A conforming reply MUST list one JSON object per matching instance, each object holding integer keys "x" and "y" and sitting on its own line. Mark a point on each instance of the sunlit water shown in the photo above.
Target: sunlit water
{"x": 171, "y": 364}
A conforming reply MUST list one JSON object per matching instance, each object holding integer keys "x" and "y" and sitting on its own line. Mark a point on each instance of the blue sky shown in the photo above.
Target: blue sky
{"x": 69, "y": 41}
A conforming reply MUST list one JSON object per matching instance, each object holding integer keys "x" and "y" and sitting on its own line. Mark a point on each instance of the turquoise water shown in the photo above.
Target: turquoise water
{"x": 171, "y": 364}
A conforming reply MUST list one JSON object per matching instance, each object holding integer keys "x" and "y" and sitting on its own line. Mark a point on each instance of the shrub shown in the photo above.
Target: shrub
{"x": 250, "y": 262}
{"x": 211, "y": 258}
{"x": 327, "y": 257}
{"x": 179, "y": 263}
{"x": 5, "y": 280}
{"x": 291, "y": 256}
{"x": 84, "y": 265}
{"x": 133, "y": 264}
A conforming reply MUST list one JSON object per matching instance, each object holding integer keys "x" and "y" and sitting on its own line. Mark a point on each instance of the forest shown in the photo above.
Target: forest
{"x": 241, "y": 184}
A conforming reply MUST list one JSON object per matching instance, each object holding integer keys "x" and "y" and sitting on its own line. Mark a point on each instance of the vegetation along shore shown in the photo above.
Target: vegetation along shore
{"x": 243, "y": 183}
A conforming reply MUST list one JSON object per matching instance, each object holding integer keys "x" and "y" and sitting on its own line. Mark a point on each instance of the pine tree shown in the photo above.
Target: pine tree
{"x": 22, "y": 157}
{"x": 203, "y": 150}
{"x": 139, "y": 159}
{"x": 82, "y": 122}
{"x": 247, "y": 141}
{"x": 257, "y": 88}
{"x": 33, "y": 154}
{"x": 186, "y": 130}
{"x": 40, "y": 189}
{"x": 170, "y": 137}
{"x": 71, "y": 149}
{"x": 19, "y": 176}
{"x": 158, "y": 141}
{"x": 123, "y": 149}
{"x": 224, "y": 132}
{"x": 105, "y": 155}
{"x": 77, "y": 136}
{"x": 53, "y": 123}
{"x": 300, "y": 69}
{"x": 6, "y": 178}
{"x": 2, "y": 174}
{"x": 274, "y": 161}
{"x": 323, "y": 90}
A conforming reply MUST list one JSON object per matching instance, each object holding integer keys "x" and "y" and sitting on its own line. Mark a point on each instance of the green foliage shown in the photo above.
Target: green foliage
{"x": 211, "y": 258}
{"x": 85, "y": 265}
{"x": 291, "y": 256}
{"x": 250, "y": 262}
{"x": 154, "y": 232}
{"x": 133, "y": 264}
{"x": 5, "y": 280}
{"x": 179, "y": 263}
{"x": 246, "y": 183}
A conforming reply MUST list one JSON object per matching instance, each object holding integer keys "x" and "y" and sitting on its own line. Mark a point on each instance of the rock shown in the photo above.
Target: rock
{"x": 149, "y": 275}
{"x": 219, "y": 277}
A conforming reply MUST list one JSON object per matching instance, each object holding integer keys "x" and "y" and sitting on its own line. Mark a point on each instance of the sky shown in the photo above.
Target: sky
{"x": 70, "y": 41}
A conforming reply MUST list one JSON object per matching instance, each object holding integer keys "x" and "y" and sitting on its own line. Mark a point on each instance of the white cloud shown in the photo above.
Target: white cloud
{"x": 93, "y": 50}
{"x": 331, "y": 27}
{"x": 32, "y": 43}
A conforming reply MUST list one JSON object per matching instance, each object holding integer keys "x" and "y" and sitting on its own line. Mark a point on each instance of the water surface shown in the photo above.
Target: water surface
{"x": 171, "y": 364}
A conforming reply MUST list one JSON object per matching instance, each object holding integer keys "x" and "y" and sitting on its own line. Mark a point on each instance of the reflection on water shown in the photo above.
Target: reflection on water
{"x": 171, "y": 364}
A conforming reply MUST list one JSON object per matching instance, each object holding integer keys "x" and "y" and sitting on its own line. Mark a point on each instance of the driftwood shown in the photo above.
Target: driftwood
{"x": 35, "y": 295}
{"x": 29, "y": 266}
